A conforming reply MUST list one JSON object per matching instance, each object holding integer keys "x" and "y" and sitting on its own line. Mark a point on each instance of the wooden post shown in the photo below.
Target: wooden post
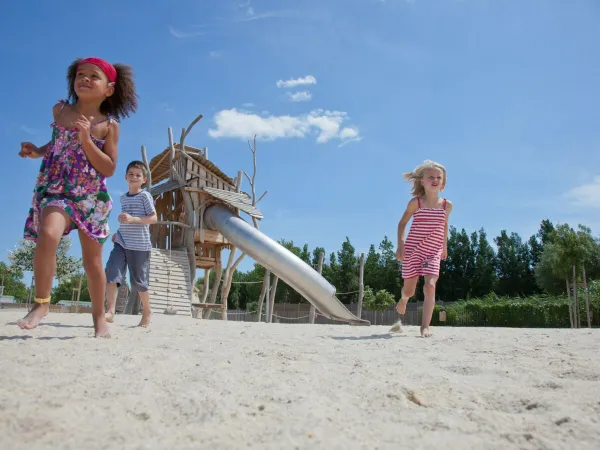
{"x": 361, "y": 285}
{"x": 206, "y": 285}
{"x": 272, "y": 298}
{"x": 78, "y": 293}
{"x": 263, "y": 292}
{"x": 577, "y": 318}
{"x": 149, "y": 173}
{"x": 268, "y": 298}
{"x": 312, "y": 312}
{"x": 587, "y": 299}
{"x": 215, "y": 288}
{"x": 571, "y": 315}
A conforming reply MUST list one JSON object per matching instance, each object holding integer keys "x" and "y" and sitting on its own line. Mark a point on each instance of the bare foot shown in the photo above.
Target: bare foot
{"x": 397, "y": 328}
{"x": 101, "y": 328}
{"x": 401, "y": 306}
{"x": 32, "y": 319}
{"x": 109, "y": 317}
{"x": 145, "y": 322}
{"x": 425, "y": 332}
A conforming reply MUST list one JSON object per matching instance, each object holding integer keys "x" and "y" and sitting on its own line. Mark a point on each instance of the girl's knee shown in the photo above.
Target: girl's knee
{"x": 429, "y": 285}
{"x": 93, "y": 266}
{"x": 50, "y": 232}
{"x": 408, "y": 291}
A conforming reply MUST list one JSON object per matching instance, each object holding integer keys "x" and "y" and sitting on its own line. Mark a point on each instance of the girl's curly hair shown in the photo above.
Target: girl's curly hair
{"x": 122, "y": 103}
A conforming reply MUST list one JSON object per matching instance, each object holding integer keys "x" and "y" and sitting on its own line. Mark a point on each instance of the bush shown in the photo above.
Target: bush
{"x": 531, "y": 312}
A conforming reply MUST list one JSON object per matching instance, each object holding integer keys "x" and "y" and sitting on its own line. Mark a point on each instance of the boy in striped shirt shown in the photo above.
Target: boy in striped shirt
{"x": 132, "y": 243}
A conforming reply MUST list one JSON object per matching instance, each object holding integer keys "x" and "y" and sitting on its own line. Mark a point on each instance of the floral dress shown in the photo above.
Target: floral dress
{"x": 68, "y": 181}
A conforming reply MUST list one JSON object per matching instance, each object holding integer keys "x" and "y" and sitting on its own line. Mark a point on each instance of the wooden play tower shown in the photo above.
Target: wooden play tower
{"x": 184, "y": 183}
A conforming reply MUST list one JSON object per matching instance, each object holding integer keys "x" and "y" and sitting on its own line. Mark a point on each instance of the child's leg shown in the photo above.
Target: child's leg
{"x": 92, "y": 264}
{"x": 54, "y": 222}
{"x": 139, "y": 273}
{"x": 115, "y": 272}
{"x": 428, "y": 304}
{"x": 408, "y": 290}
{"x": 112, "y": 292}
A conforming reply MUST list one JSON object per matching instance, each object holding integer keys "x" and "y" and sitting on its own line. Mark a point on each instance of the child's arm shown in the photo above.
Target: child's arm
{"x": 146, "y": 220}
{"x": 105, "y": 160}
{"x": 29, "y": 150}
{"x": 410, "y": 210}
{"x": 412, "y": 206}
{"x": 448, "y": 211}
{"x": 150, "y": 217}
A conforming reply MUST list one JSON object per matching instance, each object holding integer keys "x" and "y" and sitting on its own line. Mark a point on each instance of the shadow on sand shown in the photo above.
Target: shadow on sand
{"x": 367, "y": 338}
{"x": 43, "y": 338}
{"x": 56, "y": 324}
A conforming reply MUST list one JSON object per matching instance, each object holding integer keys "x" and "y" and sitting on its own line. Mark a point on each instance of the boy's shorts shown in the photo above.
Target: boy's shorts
{"x": 138, "y": 262}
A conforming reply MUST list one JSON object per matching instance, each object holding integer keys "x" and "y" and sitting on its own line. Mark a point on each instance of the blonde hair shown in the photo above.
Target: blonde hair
{"x": 418, "y": 173}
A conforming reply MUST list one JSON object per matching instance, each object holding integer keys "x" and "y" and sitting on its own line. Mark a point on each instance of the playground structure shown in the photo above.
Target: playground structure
{"x": 198, "y": 208}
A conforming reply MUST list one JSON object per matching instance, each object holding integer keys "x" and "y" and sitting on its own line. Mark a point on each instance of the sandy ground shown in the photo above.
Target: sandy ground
{"x": 187, "y": 383}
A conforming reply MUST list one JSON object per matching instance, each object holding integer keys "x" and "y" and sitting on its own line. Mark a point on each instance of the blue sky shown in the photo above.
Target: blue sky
{"x": 345, "y": 95}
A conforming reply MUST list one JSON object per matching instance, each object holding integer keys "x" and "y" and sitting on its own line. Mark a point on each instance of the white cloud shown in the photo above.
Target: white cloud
{"x": 178, "y": 34}
{"x": 251, "y": 15}
{"x": 248, "y": 105}
{"x": 309, "y": 79}
{"x": 326, "y": 125}
{"x": 28, "y": 130}
{"x": 215, "y": 54}
{"x": 300, "y": 96}
{"x": 585, "y": 195}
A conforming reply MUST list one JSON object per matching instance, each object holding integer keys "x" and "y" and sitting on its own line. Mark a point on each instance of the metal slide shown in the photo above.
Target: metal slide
{"x": 279, "y": 260}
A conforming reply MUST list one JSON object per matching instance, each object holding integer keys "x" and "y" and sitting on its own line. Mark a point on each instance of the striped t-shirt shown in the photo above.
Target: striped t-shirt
{"x": 135, "y": 236}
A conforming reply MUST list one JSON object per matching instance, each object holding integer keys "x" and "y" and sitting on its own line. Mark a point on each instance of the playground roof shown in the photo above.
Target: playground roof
{"x": 159, "y": 165}
{"x": 240, "y": 201}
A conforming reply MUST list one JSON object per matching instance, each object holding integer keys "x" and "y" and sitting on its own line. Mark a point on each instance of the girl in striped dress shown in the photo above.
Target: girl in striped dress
{"x": 426, "y": 243}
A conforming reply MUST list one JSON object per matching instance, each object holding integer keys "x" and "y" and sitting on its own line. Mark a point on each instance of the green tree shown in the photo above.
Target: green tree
{"x": 305, "y": 254}
{"x": 515, "y": 275}
{"x": 22, "y": 258}
{"x": 10, "y": 279}
{"x": 566, "y": 248}
{"x": 371, "y": 274}
{"x": 457, "y": 272}
{"x": 484, "y": 275}
{"x": 348, "y": 271}
{"x": 64, "y": 290}
{"x": 379, "y": 302}
{"x": 388, "y": 274}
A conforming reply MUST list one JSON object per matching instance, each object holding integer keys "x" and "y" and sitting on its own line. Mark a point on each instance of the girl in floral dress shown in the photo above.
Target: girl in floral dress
{"x": 70, "y": 192}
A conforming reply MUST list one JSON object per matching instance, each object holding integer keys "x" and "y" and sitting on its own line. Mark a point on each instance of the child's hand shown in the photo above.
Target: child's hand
{"x": 400, "y": 251}
{"x": 28, "y": 150}
{"x": 126, "y": 218}
{"x": 83, "y": 125}
{"x": 114, "y": 238}
{"x": 445, "y": 252}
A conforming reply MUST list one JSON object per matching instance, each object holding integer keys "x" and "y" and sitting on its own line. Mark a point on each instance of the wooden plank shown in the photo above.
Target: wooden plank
{"x": 157, "y": 276}
{"x": 210, "y": 236}
{"x": 208, "y": 305}
{"x": 160, "y": 301}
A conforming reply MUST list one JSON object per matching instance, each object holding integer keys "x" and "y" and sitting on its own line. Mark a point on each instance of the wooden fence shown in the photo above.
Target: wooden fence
{"x": 53, "y": 308}
{"x": 298, "y": 313}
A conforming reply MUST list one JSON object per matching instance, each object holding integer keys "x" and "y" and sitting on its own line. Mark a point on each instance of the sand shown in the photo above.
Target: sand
{"x": 187, "y": 383}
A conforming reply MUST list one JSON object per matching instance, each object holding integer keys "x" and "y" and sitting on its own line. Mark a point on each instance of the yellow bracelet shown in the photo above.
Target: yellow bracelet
{"x": 42, "y": 300}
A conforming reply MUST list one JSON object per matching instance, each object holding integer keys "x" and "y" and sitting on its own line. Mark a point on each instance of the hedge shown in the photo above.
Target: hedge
{"x": 533, "y": 312}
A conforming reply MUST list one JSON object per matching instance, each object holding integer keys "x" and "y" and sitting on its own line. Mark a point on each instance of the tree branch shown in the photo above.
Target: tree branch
{"x": 261, "y": 197}
{"x": 194, "y": 122}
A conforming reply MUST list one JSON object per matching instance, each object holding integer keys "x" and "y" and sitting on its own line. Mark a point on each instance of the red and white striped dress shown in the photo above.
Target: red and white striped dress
{"x": 425, "y": 242}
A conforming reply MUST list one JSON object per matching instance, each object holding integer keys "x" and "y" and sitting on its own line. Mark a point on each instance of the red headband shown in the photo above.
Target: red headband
{"x": 105, "y": 66}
